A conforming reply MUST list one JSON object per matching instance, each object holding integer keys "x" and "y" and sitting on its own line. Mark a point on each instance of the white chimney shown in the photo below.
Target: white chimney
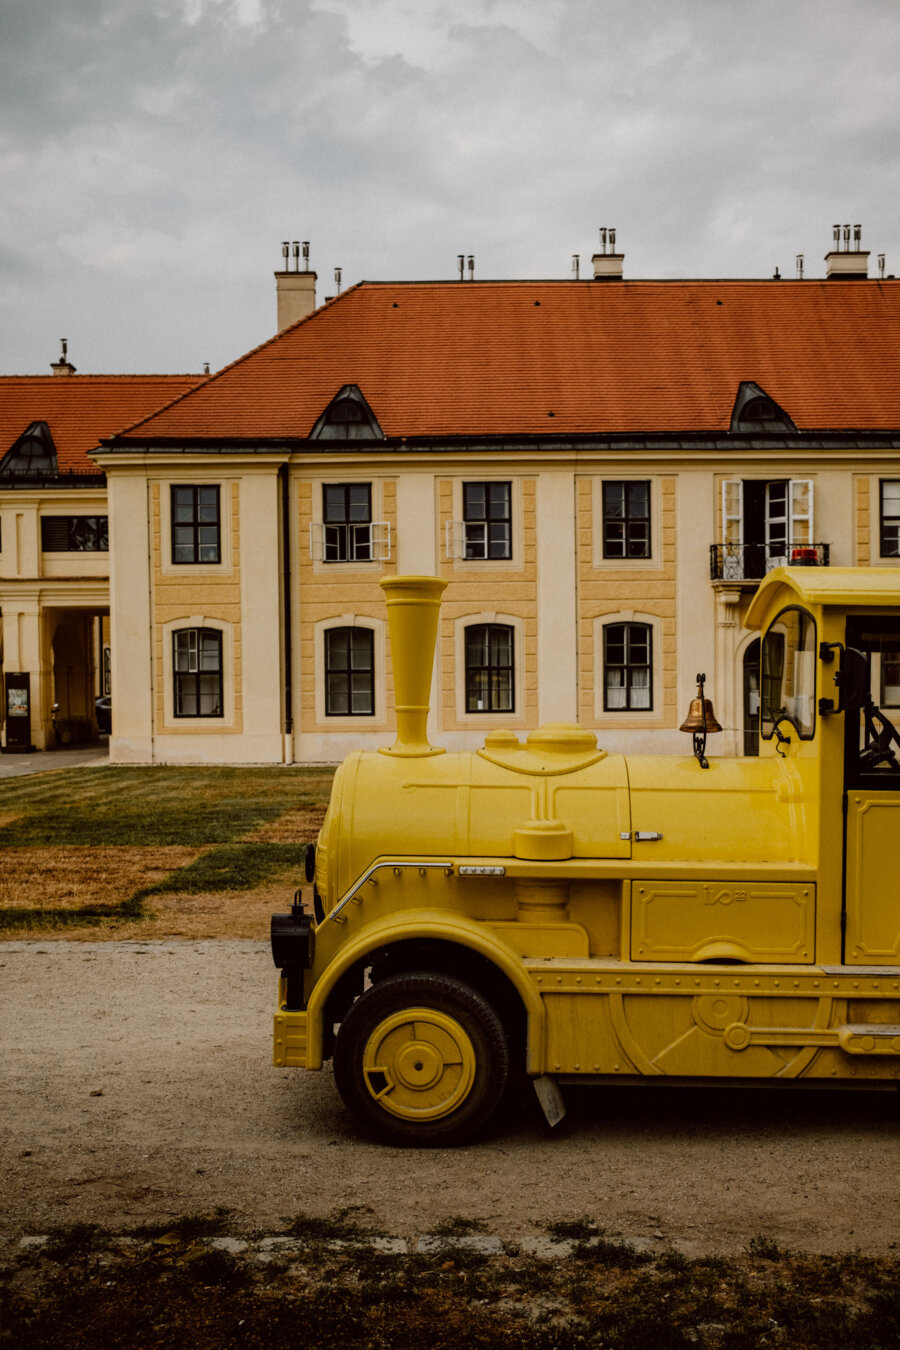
{"x": 844, "y": 264}
{"x": 608, "y": 264}
{"x": 295, "y": 290}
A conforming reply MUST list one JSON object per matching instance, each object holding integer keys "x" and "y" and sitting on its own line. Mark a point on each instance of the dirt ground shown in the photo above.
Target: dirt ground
{"x": 137, "y": 1086}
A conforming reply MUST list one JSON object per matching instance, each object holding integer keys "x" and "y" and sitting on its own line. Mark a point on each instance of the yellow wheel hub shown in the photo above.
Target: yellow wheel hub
{"x": 419, "y": 1064}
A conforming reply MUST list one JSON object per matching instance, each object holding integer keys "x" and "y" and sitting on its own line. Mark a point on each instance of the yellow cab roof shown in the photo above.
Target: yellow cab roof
{"x": 859, "y": 587}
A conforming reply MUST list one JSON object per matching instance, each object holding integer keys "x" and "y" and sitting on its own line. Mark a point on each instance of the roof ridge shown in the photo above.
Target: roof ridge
{"x": 232, "y": 365}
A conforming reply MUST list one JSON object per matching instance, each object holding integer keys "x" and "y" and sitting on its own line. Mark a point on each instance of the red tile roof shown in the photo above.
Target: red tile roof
{"x": 79, "y": 409}
{"x": 564, "y": 358}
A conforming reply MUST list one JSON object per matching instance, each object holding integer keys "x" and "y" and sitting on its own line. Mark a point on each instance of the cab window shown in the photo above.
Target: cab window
{"x": 788, "y": 674}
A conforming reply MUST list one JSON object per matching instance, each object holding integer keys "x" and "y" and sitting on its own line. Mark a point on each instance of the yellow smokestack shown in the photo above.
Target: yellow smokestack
{"x": 413, "y": 606}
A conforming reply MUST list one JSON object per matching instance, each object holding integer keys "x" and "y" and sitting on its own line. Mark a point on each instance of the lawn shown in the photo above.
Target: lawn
{"x": 117, "y": 852}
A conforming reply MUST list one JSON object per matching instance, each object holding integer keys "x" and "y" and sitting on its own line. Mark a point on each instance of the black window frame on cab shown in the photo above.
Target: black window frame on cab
{"x": 627, "y": 534}
{"x": 349, "y": 674}
{"x": 779, "y": 663}
{"x": 196, "y": 524}
{"x": 197, "y": 673}
{"x": 347, "y": 522}
{"x": 491, "y": 678}
{"x": 487, "y": 520}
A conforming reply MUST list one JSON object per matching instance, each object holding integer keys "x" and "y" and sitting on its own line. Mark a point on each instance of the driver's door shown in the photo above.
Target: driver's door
{"x": 872, "y": 802}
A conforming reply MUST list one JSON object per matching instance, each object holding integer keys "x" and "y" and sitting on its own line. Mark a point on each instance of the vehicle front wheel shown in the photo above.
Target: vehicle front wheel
{"x": 422, "y": 1059}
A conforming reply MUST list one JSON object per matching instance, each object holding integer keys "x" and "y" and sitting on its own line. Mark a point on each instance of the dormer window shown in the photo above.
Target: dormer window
{"x": 33, "y": 455}
{"x": 754, "y": 410}
{"x": 345, "y": 410}
{"x": 348, "y": 417}
{"x": 760, "y": 410}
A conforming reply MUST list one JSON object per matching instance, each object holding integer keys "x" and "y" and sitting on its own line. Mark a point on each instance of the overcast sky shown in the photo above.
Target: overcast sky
{"x": 155, "y": 153}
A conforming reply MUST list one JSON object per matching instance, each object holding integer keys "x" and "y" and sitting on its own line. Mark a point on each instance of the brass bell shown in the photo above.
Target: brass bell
{"x": 700, "y": 716}
{"x": 700, "y": 720}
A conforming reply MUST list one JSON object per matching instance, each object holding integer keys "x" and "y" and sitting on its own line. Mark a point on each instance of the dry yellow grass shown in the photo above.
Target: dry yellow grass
{"x": 59, "y": 880}
{"x": 294, "y": 827}
{"x": 74, "y": 876}
{"x": 68, "y": 878}
{"x": 227, "y": 914}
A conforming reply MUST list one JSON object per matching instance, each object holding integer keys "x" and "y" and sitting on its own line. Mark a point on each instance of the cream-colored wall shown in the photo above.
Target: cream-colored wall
{"x": 557, "y": 655}
{"x": 38, "y": 590}
{"x": 641, "y": 590}
{"x": 132, "y": 670}
{"x": 556, "y": 591}
{"x": 240, "y": 597}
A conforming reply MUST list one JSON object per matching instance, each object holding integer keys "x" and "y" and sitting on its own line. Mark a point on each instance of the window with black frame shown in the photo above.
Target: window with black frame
{"x": 626, "y": 519}
{"x": 197, "y": 671}
{"x": 349, "y": 672}
{"x": 889, "y": 518}
{"x": 490, "y": 668}
{"x": 195, "y": 524}
{"x": 347, "y": 522}
{"x": 75, "y": 534}
{"x": 487, "y": 520}
{"x": 627, "y": 667}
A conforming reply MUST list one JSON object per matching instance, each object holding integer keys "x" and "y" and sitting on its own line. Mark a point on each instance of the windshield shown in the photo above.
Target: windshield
{"x": 788, "y": 674}
{"x": 872, "y": 748}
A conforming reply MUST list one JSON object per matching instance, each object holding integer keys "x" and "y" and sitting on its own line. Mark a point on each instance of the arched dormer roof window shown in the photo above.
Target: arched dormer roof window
{"x": 755, "y": 411}
{"x": 33, "y": 455}
{"x": 348, "y": 417}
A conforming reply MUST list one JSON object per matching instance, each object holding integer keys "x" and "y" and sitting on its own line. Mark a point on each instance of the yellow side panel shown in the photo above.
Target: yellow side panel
{"x": 707, "y": 921}
{"x": 545, "y": 940}
{"x": 873, "y": 905}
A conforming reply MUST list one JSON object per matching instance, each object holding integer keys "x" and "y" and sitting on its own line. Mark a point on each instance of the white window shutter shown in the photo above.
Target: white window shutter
{"x": 454, "y": 539}
{"x": 732, "y": 511}
{"x": 732, "y": 529}
{"x": 801, "y": 512}
{"x": 381, "y": 540}
{"x": 316, "y": 541}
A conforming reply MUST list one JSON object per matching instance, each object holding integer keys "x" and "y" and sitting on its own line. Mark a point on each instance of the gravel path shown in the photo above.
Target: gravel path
{"x": 137, "y": 1086}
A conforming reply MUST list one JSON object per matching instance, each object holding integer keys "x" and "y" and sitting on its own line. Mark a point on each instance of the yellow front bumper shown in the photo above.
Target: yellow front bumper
{"x": 290, "y": 1040}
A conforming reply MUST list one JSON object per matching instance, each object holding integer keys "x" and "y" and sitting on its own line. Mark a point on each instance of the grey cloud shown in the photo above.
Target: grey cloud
{"x": 153, "y": 155}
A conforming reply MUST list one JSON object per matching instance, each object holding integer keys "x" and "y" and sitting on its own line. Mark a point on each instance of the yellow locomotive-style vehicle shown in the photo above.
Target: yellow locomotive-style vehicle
{"x": 543, "y": 908}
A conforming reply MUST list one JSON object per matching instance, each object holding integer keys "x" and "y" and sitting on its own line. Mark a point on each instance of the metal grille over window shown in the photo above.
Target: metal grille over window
{"x": 75, "y": 534}
{"x": 197, "y": 664}
{"x": 490, "y": 668}
{"x": 627, "y": 667}
{"x": 195, "y": 525}
{"x": 626, "y": 520}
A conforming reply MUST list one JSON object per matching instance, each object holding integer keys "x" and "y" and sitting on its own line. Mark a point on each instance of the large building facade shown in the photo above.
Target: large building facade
{"x": 54, "y": 546}
{"x": 602, "y": 470}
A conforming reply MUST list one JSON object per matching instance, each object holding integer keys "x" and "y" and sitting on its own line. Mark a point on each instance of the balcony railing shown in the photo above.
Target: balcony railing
{"x": 751, "y": 562}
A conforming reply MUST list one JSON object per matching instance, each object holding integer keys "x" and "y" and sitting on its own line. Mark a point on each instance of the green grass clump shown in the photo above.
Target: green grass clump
{"x": 231, "y": 867}
{"x": 152, "y": 805}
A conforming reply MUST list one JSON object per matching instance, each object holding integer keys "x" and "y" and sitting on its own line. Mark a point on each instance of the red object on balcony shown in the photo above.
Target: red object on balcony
{"x": 804, "y": 557}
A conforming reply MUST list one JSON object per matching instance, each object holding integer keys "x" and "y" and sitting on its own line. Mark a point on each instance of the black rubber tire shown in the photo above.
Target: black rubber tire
{"x": 484, "y": 1060}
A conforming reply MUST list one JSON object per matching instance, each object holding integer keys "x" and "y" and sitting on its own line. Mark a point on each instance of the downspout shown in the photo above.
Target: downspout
{"x": 288, "y": 740}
